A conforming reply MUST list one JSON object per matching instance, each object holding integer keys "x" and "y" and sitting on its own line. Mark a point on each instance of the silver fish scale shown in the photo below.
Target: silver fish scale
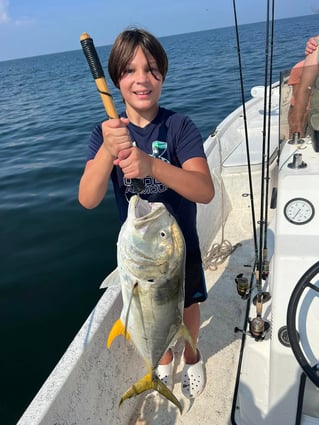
{"x": 151, "y": 262}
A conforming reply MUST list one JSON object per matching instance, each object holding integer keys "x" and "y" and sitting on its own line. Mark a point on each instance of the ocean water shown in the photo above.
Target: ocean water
{"x": 53, "y": 253}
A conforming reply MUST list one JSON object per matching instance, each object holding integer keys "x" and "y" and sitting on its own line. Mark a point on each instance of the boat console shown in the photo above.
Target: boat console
{"x": 278, "y": 375}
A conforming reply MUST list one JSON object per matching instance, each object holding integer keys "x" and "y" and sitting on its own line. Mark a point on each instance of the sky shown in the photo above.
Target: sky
{"x": 37, "y": 27}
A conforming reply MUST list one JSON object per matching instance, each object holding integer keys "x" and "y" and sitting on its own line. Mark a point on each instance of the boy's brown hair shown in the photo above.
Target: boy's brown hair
{"x": 124, "y": 48}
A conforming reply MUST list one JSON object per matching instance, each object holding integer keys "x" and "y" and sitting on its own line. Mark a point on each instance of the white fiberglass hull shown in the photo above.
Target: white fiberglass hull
{"x": 86, "y": 385}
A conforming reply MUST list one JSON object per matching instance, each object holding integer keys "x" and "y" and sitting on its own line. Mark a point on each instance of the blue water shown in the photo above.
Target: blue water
{"x": 53, "y": 253}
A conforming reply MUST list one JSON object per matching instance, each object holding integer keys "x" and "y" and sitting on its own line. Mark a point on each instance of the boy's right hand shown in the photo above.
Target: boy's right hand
{"x": 116, "y": 135}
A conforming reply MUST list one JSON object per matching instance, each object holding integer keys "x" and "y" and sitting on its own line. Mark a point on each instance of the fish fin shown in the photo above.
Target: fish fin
{"x": 134, "y": 288}
{"x": 151, "y": 383}
{"x": 184, "y": 333}
{"x": 117, "y": 329}
{"x": 111, "y": 279}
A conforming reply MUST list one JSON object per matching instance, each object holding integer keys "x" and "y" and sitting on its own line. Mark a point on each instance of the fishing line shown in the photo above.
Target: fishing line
{"x": 104, "y": 92}
{"x": 246, "y": 135}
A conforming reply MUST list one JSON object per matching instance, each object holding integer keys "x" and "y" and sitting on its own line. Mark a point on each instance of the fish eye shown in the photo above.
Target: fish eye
{"x": 163, "y": 234}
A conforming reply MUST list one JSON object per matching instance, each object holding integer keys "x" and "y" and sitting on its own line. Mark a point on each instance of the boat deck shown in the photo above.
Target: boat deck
{"x": 88, "y": 382}
{"x": 218, "y": 342}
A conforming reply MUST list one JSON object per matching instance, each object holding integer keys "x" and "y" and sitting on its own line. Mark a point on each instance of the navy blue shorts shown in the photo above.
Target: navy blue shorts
{"x": 195, "y": 285}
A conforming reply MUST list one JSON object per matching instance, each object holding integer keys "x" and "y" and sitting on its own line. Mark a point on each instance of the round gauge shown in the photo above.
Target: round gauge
{"x": 299, "y": 211}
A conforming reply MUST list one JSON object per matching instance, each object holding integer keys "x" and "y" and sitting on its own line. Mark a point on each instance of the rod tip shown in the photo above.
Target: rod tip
{"x": 84, "y": 36}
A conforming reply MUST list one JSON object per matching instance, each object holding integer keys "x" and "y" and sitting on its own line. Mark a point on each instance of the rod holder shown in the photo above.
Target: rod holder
{"x": 297, "y": 162}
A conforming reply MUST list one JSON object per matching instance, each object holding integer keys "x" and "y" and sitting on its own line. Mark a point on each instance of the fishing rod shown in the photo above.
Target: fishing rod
{"x": 265, "y": 249}
{"x": 102, "y": 87}
{"x": 245, "y": 290}
{"x": 251, "y": 191}
{"x": 98, "y": 74}
{"x": 257, "y": 325}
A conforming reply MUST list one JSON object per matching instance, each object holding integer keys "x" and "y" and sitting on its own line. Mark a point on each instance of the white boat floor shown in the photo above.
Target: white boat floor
{"x": 218, "y": 343}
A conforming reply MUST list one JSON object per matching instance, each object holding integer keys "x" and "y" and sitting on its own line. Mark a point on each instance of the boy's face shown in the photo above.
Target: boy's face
{"x": 139, "y": 87}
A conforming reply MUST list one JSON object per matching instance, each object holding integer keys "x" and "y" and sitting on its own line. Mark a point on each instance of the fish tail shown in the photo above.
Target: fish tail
{"x": 151, "y": 383}
{"x": 117, "y": 329}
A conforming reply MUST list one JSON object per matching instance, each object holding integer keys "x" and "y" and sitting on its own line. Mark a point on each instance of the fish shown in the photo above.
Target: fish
{"x": 151, "y": 267}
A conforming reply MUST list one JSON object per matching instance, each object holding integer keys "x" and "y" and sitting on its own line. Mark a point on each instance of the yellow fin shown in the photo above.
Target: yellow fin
{"x": 117, "y": 329}
{"x": 184, "y": 333}
{"x": 149, "y": 383}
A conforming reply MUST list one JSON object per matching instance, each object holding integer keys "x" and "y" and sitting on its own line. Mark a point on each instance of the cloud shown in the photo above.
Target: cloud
{"x": 4, "y": 16}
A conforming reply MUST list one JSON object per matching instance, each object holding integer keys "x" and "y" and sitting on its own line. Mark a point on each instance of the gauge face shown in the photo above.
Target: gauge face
{"x": 299, "y": 211}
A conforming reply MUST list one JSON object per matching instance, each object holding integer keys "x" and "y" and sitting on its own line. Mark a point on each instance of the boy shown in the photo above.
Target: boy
{"x": 168, "y": 156}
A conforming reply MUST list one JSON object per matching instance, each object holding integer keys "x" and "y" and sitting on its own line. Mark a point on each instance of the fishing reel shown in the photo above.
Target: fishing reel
{"x": 242, "y": 286}
{"x": 257, "y": 328}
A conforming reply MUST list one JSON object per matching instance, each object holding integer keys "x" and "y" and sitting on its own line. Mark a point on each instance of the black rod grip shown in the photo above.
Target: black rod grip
{"x": 91, "y": 56}
{"x": 98, "y": 74}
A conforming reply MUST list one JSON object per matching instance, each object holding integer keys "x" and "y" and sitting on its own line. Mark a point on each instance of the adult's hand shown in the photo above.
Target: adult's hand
{"x": 311, "y": 45}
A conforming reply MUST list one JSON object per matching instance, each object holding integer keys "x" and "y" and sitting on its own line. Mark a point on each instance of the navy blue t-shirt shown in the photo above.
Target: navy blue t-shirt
{"x": 171, "y": 137}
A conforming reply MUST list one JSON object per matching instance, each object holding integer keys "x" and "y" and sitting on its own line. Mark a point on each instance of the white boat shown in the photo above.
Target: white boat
{"x": 268, "y": 386}
{"x": 278, "y": 374}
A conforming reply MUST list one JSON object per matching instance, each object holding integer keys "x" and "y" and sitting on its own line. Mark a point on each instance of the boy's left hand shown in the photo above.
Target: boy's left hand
{"x": 134, "y": 163}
